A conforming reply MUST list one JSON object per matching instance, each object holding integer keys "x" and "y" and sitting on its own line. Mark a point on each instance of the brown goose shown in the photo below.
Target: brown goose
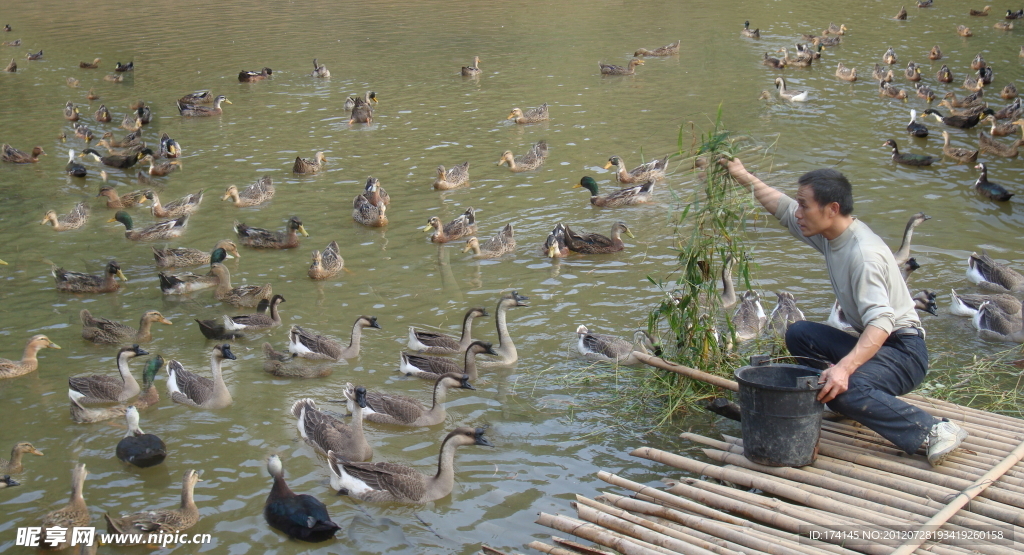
{"x": 400, "y": 410}
{"x": 430, "y": 367}
{"x": 441, "y": 344}
{"x": 102, "y": 389}
{"x": 194, "y": 390}
{"x": 309, "y": 344}
{"x": 326, "y": 433}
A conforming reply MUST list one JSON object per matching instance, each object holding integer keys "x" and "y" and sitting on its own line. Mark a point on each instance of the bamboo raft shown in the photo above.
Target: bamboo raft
{"x": 859, "y": 483}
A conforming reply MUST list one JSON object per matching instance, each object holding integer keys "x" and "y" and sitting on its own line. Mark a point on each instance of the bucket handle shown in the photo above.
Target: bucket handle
{"x": 807, "y": 382}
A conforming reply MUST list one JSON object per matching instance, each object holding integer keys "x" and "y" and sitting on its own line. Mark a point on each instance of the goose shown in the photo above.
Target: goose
{"x": 784, "y": 313}
{"x": 749, "y": 318}
{"x": 990, "y": 275}
{"x": 391, "y": 482}
{"x": 326, "y": 433}
{"x": 429, "y": 367}
{"x": 400, "y": 410}
{"x": 968, "y": 305}
{"x": 608, "y": 348}
{"x": 506, "y": 350}
{"x": 313, "y": 346}
{"x": 285, "y": 365}
{"x": 302, "y": 517}
{"x": 914, "y": 128}
{"x": 909, "y": 267}
{"x": 990, "y": 318}
{"x": 137, "y": 447}
{"x": 989, "y": 189}
{"x": 441, "y": 344}
{"x": 102, "y": 330}
{"x": 795, "y": 96}
{"x": 101, "y": 389}
{"x": 74, "y": 514}
{"x": 194, "y": 390}
{"x": 14, "y": 466}
{"x": 259, "y": 321}
{"x": 29, "y": 362}
{"x": 903, "y": 253}
{"x": 837, "y": 319}
{"x": 147, "y": 398}
{"x": 924, "y": 300}
{"x": 166, "y": 521}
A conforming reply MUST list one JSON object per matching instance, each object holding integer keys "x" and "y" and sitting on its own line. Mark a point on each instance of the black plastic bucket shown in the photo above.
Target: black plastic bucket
{"x": 781, "y": 413}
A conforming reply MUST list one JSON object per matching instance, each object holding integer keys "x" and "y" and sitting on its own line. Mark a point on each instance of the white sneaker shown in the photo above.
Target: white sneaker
{"x": 943, "y": 438}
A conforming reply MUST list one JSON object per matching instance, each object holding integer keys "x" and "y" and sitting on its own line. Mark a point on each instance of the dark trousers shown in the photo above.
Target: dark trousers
{"x": 898, "y": 367}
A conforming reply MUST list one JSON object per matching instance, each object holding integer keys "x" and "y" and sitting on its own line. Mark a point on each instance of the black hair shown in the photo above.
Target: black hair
{"x": 829, "y": 186}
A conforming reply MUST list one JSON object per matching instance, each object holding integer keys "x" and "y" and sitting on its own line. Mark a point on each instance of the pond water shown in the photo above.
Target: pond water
{"x": 550, "y": 435}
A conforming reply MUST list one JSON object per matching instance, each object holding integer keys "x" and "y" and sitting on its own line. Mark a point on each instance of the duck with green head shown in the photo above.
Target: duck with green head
{"x": 186, "y": 282}
{"x": 169, "y": 229}
{"x": 627, "y": 196}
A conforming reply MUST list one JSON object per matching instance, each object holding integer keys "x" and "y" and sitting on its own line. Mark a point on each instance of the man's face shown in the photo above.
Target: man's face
{"x": 812, "y": 217}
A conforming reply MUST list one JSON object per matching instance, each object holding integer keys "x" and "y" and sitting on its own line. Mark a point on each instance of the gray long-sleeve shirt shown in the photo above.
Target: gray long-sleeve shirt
{"x": 863, "y": 272}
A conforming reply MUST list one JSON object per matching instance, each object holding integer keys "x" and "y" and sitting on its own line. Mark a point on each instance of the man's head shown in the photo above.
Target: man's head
{"x": 825, "y": 200}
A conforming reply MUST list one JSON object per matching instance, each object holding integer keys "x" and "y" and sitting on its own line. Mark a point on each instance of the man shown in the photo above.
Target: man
{"x": 862, "y": 376}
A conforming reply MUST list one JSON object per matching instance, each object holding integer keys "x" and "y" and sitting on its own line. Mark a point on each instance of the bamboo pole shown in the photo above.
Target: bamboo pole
{"x": 578, "y": 547}
{"x": 550, "y": 549}
{"x": 488, "y": 550}
{"x": 595, "y": 534}
{"x": 917, "y": 399}
{"x": 699, "y": 375}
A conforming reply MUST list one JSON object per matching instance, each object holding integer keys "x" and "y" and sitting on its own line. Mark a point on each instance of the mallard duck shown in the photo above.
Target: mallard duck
{"x": 194, "y": 390}
{"x": 990, "y": 275}
{"x": 554, "y": 244}
{"x": 973, "y": 99}
{"x": 963, "y": 155}
{"x": 72, "y": 220}
{"x": 902, "y": 254}
{"x": 881, "y": 74}
{"x": 502, "y": 243}
{"x": 121, "y": 68}
{"x": 805, "y": 51}
{"x": 102, "y": 114}
{"x": 834, "y": 29}
{"x": 14, "y": 465}
{"x": 375, "y": 193}
{"x": 982, "y": 12}
{"x": 73, "y": 515}
{"x": 306, "y": 165}
{"x": 608, "y": 69}
{"x": 285, "y": 365}
{"x": 673, "y": 48}
{"x": 253, "y": 195}
{"x": 169, "y": 148}
{"x": 200, "y": 111}
{"x": 887, "y": 90}
{"x": 320, "y": 70}
{"x": 1003, "y": 25}
{"x": 119, "y": 161}
{"x": 944, "y": 75}
{"x": 442, "y": 344}
{"x": 246, "y": 296}
{"x": 649, "y": 171}
{"x": 925, "y": 3}
{"x": 184, "y": 206}
{"x": 628, "y": 196}
{"x": 1009, "y": 92}
{"x": 772, "y": 62}
{"x": 745, "y": 32}
{"x": 160, "y": 169}
{"x": 102, "y": 330}
{"x": 367, "y": 212}
{"x": 188, "y": 282}
{"x": 908, "y": 159}
{"x": 325, "y": 433}
{"x": 749, "y": 319}
{"x": 1011, "y": 111}
{"x": 138, "y": 448}
{"x": 113, "y": 78}
{"x": 962, "y": 122}
{"x": 74, "y": 282}
{"x": 986, "y": 75}
{"x": 890, "y": 56}
{"x": 259, "y": 321}
{"x": 935, "y": 53}
{"x": 827, "y": 41}
{"x": 98, "y": 389}
{"x": 71, "y": 112}
{"x": 794, "y": 96}
{"x": 473, "y": 69}
{"x": 533, "y": 115}
{"x": 987, "y": 144}
{"x": 29, "y": 362}
{"x": 253, "y": 76}
{"x": 309, "y": 344}
{"x": 988, "y": 189}
{"x": 217, "y": 330}
{"x": 964, "y": 31}
{"x": 913, "y": 72}
{"x": 977, "y": 109}
{"x": 533, "y": 159}
{"x": 182, "y": 257}
{"x": 601, "y": 347}
{"x": 168, "y": 229}
{"x": 400, "y": 410}
{"x": 12, "y": 67}
{"x": 799, "y": 61}
{"x": 968, "y": 305}
{"x": 265, "y": 239}
{"x": 164, "y": 521}
{"x": 925, "y": 92}
{"x": 133, "y": 138}
{"x": 846, "y": 73}
{"x": 784, "y": 314}
{"x": 453, "y": 178}
{"x": 302, "y": 517}
{"x": 10, "y": 154}
{"x": 368, "y": 97}
{"x": 391, "y": 482}
{"x": 198, "y": 97}
{"x": 131, "y": 122}
{"x": 86, "y": 65}
{"x": 362, "y": 111}
{"x": 326, "y": 264}
{"x": 594, "y": 243}
{"x": 1010, "y": 14}
{"x": 458, "y": 228}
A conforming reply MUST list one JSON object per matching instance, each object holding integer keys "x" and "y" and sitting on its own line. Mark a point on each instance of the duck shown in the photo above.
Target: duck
{"x": 73, "y": 515}
{"x": 1001, "y": 129}
{"x": 104, "y": 331}
{"x": 630, "y": 69}
{"x": 392, "y": 482}
{"x": 881, "y": 74}
{"x": 366, "y": 211}
{"x": 429, "y": 367}
{"x": 944, "y": 75}
{"x": 600, "y": 347}
{"x": 990, "y": 275}
{"x": 73, "y": 168}
{"x": 442, "y": 344}
{"x": 325, "y": 433}
{"x": 75, "y": 282}
{"x": 627, "y": 196}
{"x": 987, "y": 144}
{"x": 456, "y": 229}
{"x": 131, "y": 121}
{"x": 113, "y": 78}
{"x": 925, "y": 3}
{"x": 246, "y": 296}
{"x": 200, "y": 110}
{"x": 14, "y": 156}
{"x": 98, "y": 389}
{"x": 452, "y": 178}
{"x": 252, "y": 195}
{"x": 673, "y": 48}
{"x": 12, "y": 67}
{"x": 8, "y": 482}
{"x": 745, "y": 32}
{"x": 988, "y": 189}
{"x": 198, "y": 97}
{"x": 533, "y": 159}
{"x": 147, "y": 398}
{"x": 802, "y": 60}
{"x": 302, "y": 517}
{"x": 986, "y": 75}
{"x": 65, "y": 222}
{"x": 184, "y": 206}
{"x": 473, "y": 69}
{"x": 533, "y": 115}
{"x": 964, "y": 31}
{"x": 772, "y": 62}
{"x": 281, "y": 364}
{"x": 259, "y": 238}
{"x": 161, "y": 169}
{"x": 131, "y": 139}
{"x": 902, "y": 15}
{"x": 259, "y": 321}
{"x": 306, "y": 165}
{"x": 962, "y": 122}
{"x": 794, "y": 96}
{"x": 652, "y": 170}
{"x": 1003, "y": 25}
{"x": 846, "y": 73}
{"x": 959, "y": 154}
{"x": 1012, "y": 111}
{"x": 194, "y": 390}
{"x": 253, "y": 76}
{"x": 183, "y": 257}
{"x": 914, "y": 128}
{"x": 506, "y": 349}
{"x": 320, "y": 71}
{"x": 102, "y": 114}
{"x": 885, "y": 89}
{"x": 827, "y": 41}
{"x": 968, "y": 305}
{"x": 902, "y": 254}
{"x": 169, "y": 148}
{"x": 311, "y": 345}
{"x": 188, "y": 282}
{"x": 500, "y": 244}
{"x": 1009, "y": 92}
{"x": 138, "y": 448}
{"x": 804, "y": 51}
{"x": 368, "y": 97}
{"x": 982, "y": 12}
{"x": 594, "y": 243}
{"x": 71, "y": 112}
{"x": 554, "y": 244}
{"x": 784, "y": 314}
{"x": 401, "y": 410}
{"x": 749, "y": 319}
{"x": 908, "y": 159}
{"x": 327, "y": 263}
{"x": 122, "y": 68}
{"x": 913, "y": 72}
{"x": 973, "y": 99}
{"x": 122, "y": 161}
{"x": 14, "y": 465}
{"x": 924, "y": 300}
{"x": 86, "y": 65}
{"x": 935, "y": 53}
{"x": 212, "y": 329}
{"x": 1010, "y": 14}
{"x": 163, "y": 521}
{"x": 890, "y": 56}
{"x": 169, "y": 229}
{"x": 362, "y": 112}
